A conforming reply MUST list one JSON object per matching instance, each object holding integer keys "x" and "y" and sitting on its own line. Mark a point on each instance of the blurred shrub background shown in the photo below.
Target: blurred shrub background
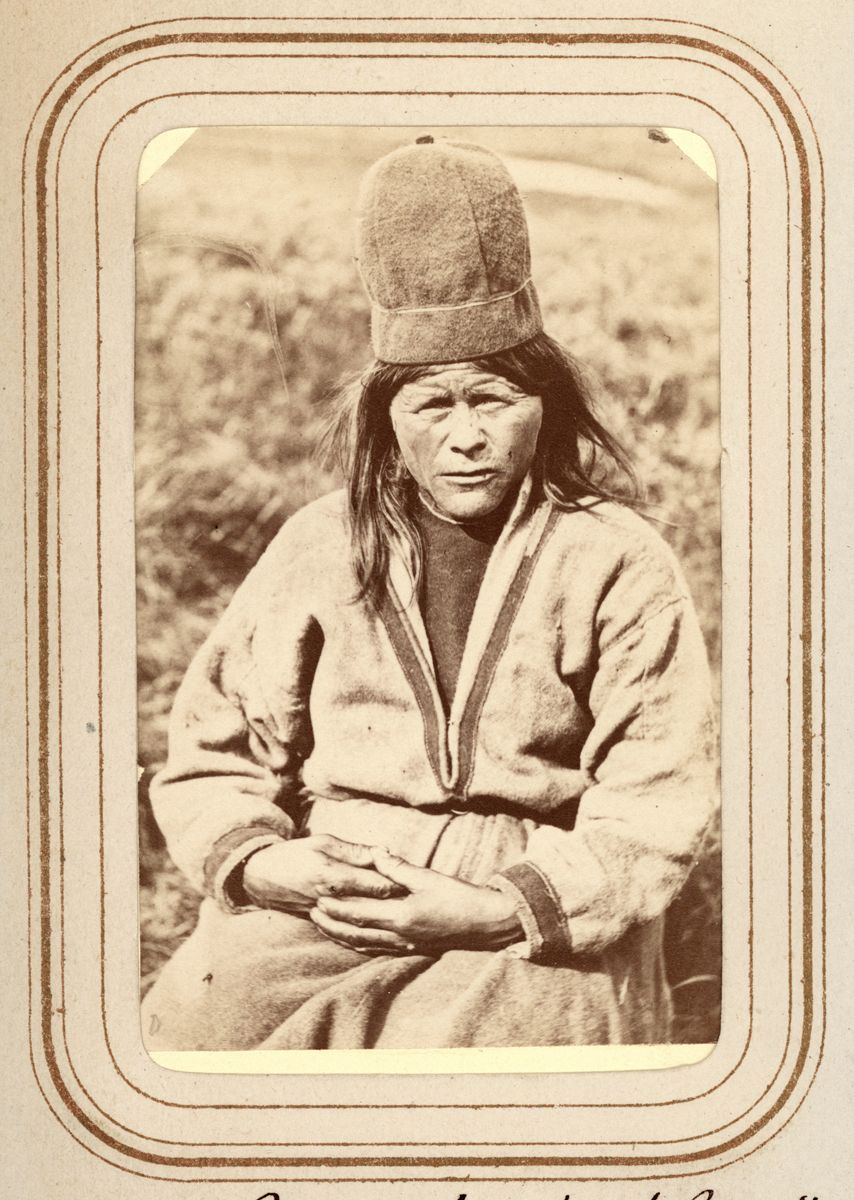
{"x": 247, "y": 230}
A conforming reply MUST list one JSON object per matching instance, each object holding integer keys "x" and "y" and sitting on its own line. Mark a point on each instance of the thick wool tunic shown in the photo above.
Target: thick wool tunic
{"x": 574, "y": 771}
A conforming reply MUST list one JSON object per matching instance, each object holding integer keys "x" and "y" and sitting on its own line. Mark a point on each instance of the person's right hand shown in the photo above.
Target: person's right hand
{"x": 292, "y": 876}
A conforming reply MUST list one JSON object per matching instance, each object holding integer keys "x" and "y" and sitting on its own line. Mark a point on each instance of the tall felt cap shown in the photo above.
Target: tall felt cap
{"x": 442, "y": 246}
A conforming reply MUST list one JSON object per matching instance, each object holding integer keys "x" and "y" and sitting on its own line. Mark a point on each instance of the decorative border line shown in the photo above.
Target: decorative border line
{"x": 654, "y": 1104}
{"x": 549, "y": 39}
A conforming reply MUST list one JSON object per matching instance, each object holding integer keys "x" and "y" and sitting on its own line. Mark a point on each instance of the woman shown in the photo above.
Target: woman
{"x": 447, "y": 757}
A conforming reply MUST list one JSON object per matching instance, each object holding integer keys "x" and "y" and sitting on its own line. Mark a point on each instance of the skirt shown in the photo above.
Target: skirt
{"x": 266, "y": 980}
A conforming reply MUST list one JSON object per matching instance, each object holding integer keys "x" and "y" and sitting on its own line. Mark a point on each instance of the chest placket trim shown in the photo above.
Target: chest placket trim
{"x": 449, "y": 742}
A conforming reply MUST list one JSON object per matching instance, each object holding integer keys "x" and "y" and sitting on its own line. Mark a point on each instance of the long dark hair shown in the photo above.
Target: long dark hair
{"x": 577, "y": 459}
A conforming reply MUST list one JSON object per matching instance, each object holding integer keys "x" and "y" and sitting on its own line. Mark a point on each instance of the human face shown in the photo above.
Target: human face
{"x": 466, "y": 436}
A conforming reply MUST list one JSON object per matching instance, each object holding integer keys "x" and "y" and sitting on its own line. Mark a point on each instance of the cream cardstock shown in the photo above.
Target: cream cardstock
{"x": 767, "y": 1112}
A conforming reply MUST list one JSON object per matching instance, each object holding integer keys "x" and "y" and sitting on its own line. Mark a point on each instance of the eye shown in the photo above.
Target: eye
{"x": 491, "y": 403}
{"x": 435, "y": 404}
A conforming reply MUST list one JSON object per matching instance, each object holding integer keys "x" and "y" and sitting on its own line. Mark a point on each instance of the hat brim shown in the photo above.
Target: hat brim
{"x": 457, "y": 333}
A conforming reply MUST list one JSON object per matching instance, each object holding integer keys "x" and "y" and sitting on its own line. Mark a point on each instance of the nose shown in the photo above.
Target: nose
{"x": 466, "y": 434}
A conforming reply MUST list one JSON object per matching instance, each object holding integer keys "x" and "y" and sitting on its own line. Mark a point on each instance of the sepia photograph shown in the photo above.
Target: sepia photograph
{"x": 427, "y": 604}
{"x": 428, "y": 546}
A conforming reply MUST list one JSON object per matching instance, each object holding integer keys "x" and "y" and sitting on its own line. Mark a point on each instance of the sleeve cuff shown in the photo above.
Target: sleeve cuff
{"x": 223, "y": 873}
{"x": 538, "y": 909}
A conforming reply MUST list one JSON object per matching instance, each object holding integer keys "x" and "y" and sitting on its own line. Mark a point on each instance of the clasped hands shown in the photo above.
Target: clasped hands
{"x": 369, "y": 900}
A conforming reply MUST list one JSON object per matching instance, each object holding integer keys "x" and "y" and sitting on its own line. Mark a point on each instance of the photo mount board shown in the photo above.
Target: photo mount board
{"x": 79, "y": 179}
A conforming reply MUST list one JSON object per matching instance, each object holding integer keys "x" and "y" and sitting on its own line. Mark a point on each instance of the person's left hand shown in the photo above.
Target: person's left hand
{"x": 439, "y": 913}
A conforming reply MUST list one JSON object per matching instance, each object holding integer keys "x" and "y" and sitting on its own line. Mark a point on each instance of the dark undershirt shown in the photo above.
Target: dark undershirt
{"x": 455, "y": 558}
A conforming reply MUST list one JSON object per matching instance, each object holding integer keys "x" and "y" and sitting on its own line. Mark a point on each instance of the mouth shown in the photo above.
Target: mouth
{"x": 476, "y": 476}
